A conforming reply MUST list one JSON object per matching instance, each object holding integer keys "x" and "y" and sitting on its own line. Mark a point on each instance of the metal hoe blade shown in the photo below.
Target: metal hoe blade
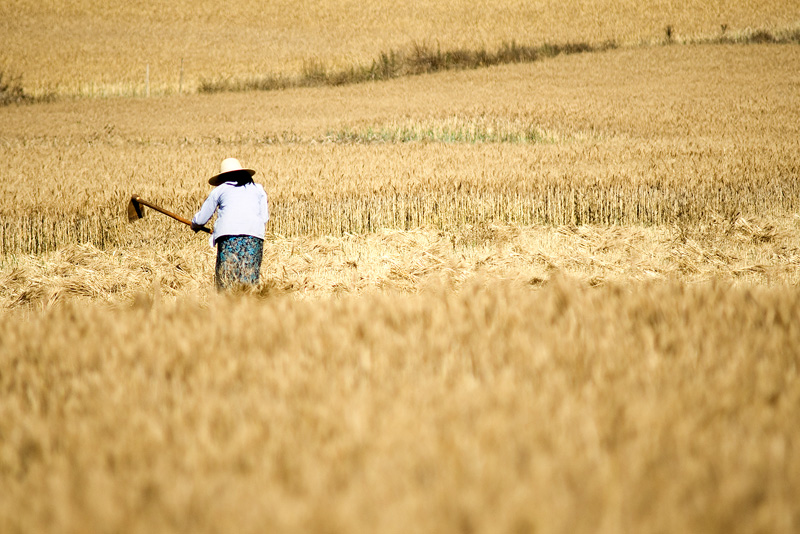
{"x": 135, "y": 211}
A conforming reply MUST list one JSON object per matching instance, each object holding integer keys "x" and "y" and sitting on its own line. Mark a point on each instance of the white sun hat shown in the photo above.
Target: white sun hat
{"x": 228, "y": 170}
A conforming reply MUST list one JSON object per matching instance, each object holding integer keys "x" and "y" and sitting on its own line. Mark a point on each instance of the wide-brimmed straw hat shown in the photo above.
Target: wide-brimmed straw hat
{"x": 228, "y": 170}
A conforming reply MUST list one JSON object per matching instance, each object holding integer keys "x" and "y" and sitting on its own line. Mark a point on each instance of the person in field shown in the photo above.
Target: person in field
{"x": 242, "y": 212}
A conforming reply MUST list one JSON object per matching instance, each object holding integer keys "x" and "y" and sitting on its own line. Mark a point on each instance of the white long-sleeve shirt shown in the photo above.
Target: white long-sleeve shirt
{"x": 242, "y": 210}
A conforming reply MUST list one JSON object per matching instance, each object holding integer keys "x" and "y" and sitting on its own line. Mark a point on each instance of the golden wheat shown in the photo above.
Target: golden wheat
{"x": 552, "y": 297}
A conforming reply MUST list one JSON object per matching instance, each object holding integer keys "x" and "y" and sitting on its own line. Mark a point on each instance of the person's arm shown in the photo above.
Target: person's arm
{"x": 206, "y": 211}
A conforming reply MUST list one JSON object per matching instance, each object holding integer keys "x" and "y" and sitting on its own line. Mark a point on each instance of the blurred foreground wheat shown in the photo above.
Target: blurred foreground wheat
{"x": 636, "y": 407}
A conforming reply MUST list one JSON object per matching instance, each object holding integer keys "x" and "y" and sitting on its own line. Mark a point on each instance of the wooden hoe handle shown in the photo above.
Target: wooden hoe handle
{"x": 136, "y": 199}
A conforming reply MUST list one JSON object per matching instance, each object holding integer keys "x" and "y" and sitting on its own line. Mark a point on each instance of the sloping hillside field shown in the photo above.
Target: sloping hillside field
{"x": 553, "y": 296}
{"x": 82, "y": 47}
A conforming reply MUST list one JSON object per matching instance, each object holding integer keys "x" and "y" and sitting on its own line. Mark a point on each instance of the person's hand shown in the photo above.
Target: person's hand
{"x": 196, "y": 227}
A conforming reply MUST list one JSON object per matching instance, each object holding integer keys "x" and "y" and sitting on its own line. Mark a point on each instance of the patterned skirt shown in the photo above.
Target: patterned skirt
{"x": 238, "y": 260}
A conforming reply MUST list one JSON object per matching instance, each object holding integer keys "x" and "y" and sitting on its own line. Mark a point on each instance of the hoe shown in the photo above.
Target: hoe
{"x": 135, "y": 212}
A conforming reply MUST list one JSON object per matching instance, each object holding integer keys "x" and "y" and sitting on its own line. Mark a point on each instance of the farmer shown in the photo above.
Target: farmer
{"x": 239, "y": 229}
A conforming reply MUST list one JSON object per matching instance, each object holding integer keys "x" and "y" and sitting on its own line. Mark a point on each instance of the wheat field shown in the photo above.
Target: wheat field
{"x": 550, "y": 297}
{"x": 704, "y": 132}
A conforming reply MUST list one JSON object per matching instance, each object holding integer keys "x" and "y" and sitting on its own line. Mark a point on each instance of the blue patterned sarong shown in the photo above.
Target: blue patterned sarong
{"x": 238, "y": 260}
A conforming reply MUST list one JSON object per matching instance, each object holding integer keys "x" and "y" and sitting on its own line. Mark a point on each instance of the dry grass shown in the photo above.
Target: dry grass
{"x": 421, "y": 59}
